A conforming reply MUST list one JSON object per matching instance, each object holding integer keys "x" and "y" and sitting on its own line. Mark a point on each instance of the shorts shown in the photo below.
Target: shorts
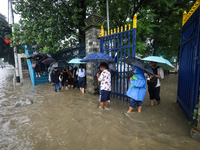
{"x": 134, "y": 103}
{"x": 154, "y": 93}
{"x": 104, "y": 95}
{"x": 81, "y": 82}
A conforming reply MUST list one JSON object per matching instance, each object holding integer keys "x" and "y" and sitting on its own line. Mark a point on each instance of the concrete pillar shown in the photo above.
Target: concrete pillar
{"x": 20, "y": 66}
{"x": 20, "y": 56}
{"x": 92, "y": 46}
{"x": 93, "y": 28}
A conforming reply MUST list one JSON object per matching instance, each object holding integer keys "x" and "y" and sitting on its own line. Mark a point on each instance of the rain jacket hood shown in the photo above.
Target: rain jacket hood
{"x": 137, "y": 88}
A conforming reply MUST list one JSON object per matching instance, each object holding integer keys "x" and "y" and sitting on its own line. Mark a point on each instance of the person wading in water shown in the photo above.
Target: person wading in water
{"x": 154, "y": 83}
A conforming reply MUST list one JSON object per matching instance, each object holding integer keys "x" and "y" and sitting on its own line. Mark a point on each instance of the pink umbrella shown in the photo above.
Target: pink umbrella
{"x": 48, "y": 61}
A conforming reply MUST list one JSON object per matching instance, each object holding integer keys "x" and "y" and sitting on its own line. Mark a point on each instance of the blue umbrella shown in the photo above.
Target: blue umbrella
{"x": 76, "y": 61}
{"x": 97, "y": 57}
{"x": 161, "y": 62}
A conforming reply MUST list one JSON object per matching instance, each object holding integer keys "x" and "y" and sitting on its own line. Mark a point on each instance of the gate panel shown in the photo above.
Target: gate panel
{"x": 188, "y": 82}
{"x": 120, "y": 45}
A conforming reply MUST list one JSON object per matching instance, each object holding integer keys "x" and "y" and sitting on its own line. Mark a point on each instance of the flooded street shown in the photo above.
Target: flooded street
{"x": 69, "y": 120}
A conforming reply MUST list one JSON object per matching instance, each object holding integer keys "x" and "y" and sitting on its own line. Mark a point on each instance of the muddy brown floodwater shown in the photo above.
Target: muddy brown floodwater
{"x": 69, "y": 120}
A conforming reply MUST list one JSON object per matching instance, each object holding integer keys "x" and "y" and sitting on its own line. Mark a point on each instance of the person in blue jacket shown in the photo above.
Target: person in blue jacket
{"x": 137, "y": 89}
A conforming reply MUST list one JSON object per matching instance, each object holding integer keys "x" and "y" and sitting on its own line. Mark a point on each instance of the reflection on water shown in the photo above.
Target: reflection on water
{"x": 70, "y": 120}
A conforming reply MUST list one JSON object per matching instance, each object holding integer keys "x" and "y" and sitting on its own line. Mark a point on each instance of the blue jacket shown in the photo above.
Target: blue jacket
{"x": 137, "y": 88}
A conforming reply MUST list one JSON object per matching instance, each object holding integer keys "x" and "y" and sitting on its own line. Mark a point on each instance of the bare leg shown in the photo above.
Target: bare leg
{"x": 62, "y": 87}
{"x": 83, "y": 90}
{"x": 106, "y": 103}
{"x": 158, "y": 102}
{"x": 130, "y": 110}
{"x": 139, "y": 109}
{"x": 102, "y": 105}
{"x": 152, "y": 102}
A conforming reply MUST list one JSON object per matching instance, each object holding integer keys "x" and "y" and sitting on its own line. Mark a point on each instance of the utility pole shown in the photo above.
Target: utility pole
{"x": 15, "y": 48}
{"x": 107, "y": 9}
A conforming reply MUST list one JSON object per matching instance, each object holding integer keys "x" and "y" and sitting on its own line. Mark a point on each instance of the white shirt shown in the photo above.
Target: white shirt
{"x": 105, "y": 79}
{"x": 80, "y": 73}
{"x": 161, "y": 73}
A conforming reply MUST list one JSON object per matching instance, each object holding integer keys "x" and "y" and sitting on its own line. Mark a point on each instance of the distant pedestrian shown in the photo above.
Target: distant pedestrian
{"x": 75, "y": 78}
{"x": 81, "y": 77}
{"x": 55, "y": 79}
{"x": 50, "y": 69}
{"x": 64, "y": 78}
{"x": 36, "y": 61}
{"x": 105, "y": 79}
{"x": 154, "y": 83}
{"x": 137, "y": 89}
{"x": 70, "y": 79}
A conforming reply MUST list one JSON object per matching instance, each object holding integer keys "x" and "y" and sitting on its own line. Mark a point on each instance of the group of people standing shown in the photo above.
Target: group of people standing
{"x": 40, "y": 68}
{"x": 68, "y": 78}
{"x": 137, "y": 88}
{"x": 136, "y": 91}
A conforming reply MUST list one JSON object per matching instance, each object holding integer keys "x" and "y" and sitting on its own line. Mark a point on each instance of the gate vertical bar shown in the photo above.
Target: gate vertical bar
{"x": 120, "y": 45}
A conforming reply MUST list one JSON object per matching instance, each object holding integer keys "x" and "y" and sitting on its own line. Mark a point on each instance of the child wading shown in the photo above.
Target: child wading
{"x": 137, "y": 89}
{"x": 55, "y": 79}
{"x": 105, "y": 79}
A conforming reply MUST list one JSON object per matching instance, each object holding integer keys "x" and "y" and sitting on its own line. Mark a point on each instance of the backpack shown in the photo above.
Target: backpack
{"x": 153, "y": 81}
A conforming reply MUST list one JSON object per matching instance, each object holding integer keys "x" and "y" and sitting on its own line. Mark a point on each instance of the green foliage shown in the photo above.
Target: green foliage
{"x": 195, "y": 115}
{"x": 51, "y": 23}
{"x": 6, "y": 51}
{"x": 56, "y": 24}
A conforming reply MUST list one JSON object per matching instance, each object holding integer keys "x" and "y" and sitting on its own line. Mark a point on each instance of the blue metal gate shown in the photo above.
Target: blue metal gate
{"x": 189, "y": 71}
{"x": 119, "y": 45}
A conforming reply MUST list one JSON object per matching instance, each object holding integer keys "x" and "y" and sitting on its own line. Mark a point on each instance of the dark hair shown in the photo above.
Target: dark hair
{"x": 104, "y": 65}
{"x": 81, "y": 66}
{"x": 75, "y": 68}
{"x": 65, "y": 70}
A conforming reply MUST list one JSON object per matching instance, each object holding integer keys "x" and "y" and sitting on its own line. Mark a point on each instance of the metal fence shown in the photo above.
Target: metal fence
{"x": 189, "y": 71}
{"x": 77, "y": 51}
{"x": 119, "y": 45}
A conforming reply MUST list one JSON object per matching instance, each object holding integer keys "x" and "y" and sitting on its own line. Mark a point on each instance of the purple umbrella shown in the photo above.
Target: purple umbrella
{"x": 48, "y": 61}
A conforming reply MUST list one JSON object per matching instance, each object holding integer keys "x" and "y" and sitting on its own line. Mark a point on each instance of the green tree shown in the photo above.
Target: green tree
{"x": 48, "y": 23}
{"x": 166, "y": 36}
{"x": 6, "y": 51}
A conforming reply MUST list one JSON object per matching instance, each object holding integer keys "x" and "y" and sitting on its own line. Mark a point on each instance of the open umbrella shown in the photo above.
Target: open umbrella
{"x": 139, "y": 63}
{"x": 60, "y": 63}
{"x": 76, "y": 61}
{"x": 97, "y": 57}
{"x": 161, "y": 62}
{"x": 48, "y": 61}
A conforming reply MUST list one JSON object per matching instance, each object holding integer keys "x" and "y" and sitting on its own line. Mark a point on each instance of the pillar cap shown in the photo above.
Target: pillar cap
{"x": 94, "y": 19}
